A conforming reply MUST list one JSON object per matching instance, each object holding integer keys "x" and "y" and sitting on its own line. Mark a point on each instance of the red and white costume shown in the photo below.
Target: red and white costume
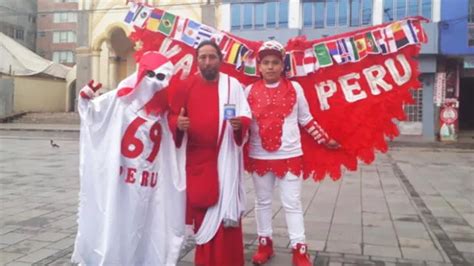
{"x": 213, "y": 166}
{"x": 132, "y": 197}
{"x": 275, "y": 153}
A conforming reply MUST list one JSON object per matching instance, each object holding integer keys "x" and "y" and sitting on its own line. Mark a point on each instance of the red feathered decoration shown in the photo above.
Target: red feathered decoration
{"x": 355, "y": 83}
{"x": 361, "y": 126}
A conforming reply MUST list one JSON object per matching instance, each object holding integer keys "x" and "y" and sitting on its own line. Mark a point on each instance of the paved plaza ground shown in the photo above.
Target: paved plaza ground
{"x": 412, "y": 206}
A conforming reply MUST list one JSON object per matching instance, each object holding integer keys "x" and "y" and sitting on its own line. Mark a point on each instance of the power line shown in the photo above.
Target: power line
{"x": 97, "y": 10}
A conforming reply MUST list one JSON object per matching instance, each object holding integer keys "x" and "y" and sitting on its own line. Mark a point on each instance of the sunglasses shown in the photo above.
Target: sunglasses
{"x": 159, "y": 76}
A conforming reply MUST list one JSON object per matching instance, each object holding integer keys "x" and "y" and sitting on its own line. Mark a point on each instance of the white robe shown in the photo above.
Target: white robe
{"x": 231, "y": 202}
{"x": 124, "y": 223}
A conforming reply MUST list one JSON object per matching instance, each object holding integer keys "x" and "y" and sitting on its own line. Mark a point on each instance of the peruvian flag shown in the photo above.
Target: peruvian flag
{"x": 309, "y": 61}
{"x": 298, "y": 65}
{"x": 222, "y": 40}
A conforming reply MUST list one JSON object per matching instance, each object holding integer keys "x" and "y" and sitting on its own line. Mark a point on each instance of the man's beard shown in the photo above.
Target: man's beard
{"x": 209, "y": 74}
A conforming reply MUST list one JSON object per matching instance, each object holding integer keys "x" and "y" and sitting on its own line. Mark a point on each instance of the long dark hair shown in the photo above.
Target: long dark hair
{"x": 211, "y": 43}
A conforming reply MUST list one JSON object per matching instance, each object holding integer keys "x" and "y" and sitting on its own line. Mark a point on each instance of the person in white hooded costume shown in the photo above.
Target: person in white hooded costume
{"x": 131, "y": 209}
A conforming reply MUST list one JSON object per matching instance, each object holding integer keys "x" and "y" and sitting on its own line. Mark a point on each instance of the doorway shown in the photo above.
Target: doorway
{"x": 72, "y": 96}
{"x": 466, "y": 104}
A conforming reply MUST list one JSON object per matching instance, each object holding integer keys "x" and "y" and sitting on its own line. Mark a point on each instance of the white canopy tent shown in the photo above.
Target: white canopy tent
{"x": 17, "y": 60}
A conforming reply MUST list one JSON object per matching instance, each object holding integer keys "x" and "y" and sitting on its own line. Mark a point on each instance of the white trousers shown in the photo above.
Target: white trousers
{"x": 290, "y": 195}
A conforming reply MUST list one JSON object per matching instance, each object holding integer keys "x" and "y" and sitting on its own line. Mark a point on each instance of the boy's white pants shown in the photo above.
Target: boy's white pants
{"x": 290, "y": 195}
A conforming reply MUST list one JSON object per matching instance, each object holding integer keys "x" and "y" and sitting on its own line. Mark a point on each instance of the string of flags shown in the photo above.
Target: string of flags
{"x": 383, "y": 40}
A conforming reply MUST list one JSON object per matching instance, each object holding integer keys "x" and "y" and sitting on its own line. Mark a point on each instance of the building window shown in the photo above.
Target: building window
{"x": 343, "y": 12}
{"x": 367, "y": 12}
{"x": 355, "y": 13}
{"x": 31, "y": 35}
{"x": 470, "y": 20}
{"x": 414, "y": 112}
{"x": 235, "y": 16}
{"x": 62, "y": 17}
{"x": 247, "y": 16}
{"x": 10, "y": 31}
{"x": 283, "y": 14}
{"x": 399, "y": 9}
{"x": 470, "y": 42}
{"x": 413, "y": 8}
{"x": 271, "y": 21}
{"x": 32, "y": 18}
{"x": 64, "y": 37}
{"x": 426, "y": 8}
{"x": 470, "y": 35}
{"x": 307, "y": 15}
{"x": 318, "y": 11}
{"x": 331, "y": 13}
{"x": 63, "y": 57}
{"x": 259, "y": 15}
{"x": 41, "y": 33}
{"x": 19, "y": 34}
{"x": 470, "y": 17}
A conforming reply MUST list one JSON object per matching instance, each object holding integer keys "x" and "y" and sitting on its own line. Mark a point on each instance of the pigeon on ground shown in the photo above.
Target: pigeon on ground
{"x": 54, "y": 145}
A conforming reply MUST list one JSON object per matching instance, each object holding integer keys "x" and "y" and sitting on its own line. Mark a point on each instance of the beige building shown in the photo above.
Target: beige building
{"x": 39, "y": 94}
{"x": 104, "y": 51}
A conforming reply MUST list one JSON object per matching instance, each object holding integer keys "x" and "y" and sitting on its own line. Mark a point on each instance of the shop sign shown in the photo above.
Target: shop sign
{"x": 439, "y": 88}
{"x": 469, "y": 62}
{"x": 448, "y": 117}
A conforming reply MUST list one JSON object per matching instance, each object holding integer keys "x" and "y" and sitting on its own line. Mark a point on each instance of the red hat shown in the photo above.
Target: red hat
{"x": 153, "y": 76}
{"x": 150, "y": 62}
{"x": 271, "y": 48}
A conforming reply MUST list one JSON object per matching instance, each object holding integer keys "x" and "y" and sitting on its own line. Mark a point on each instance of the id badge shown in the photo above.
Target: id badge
{"x": 229, "y": 111}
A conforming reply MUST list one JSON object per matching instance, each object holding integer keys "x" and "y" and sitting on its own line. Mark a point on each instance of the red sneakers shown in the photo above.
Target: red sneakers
{"x": 301, "y": 256}
{"x": 264, "y": 251}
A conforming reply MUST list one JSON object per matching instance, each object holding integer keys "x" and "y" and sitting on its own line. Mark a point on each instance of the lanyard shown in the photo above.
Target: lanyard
{"x": 224, "y": 124}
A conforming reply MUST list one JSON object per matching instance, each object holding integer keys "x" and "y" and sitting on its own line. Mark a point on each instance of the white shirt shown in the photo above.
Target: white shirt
{"x": 291, "y": 138}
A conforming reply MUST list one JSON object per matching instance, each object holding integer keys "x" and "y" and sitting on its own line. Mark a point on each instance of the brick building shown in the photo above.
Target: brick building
{"x": 57, "y": 27}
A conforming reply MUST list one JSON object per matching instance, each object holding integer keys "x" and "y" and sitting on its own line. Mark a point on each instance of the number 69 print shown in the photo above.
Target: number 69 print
{"x": 132, "y": 147}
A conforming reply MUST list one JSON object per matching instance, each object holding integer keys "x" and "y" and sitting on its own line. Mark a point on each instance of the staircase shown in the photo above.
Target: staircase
{"x": 48, "y": 118}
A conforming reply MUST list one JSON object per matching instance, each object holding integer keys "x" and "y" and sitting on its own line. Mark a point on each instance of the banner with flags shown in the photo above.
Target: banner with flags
{"x": 190, "y": 33}
{"x": 167, "y": 23}
{"x": 309, "y": 61}
{"x": 355, "y": 83}
{"x": 384, "y": 39}
{"x": 250, "y": 66}
{"x": 154, "y": 20}
{"x": 138, "y": 15}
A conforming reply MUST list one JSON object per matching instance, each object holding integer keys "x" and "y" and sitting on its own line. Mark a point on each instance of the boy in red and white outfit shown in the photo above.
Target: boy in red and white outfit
{"x": 278, "y": 106}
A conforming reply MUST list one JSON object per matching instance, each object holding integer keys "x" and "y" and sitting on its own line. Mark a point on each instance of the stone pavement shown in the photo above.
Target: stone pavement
{"x": 413, "y": 206}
